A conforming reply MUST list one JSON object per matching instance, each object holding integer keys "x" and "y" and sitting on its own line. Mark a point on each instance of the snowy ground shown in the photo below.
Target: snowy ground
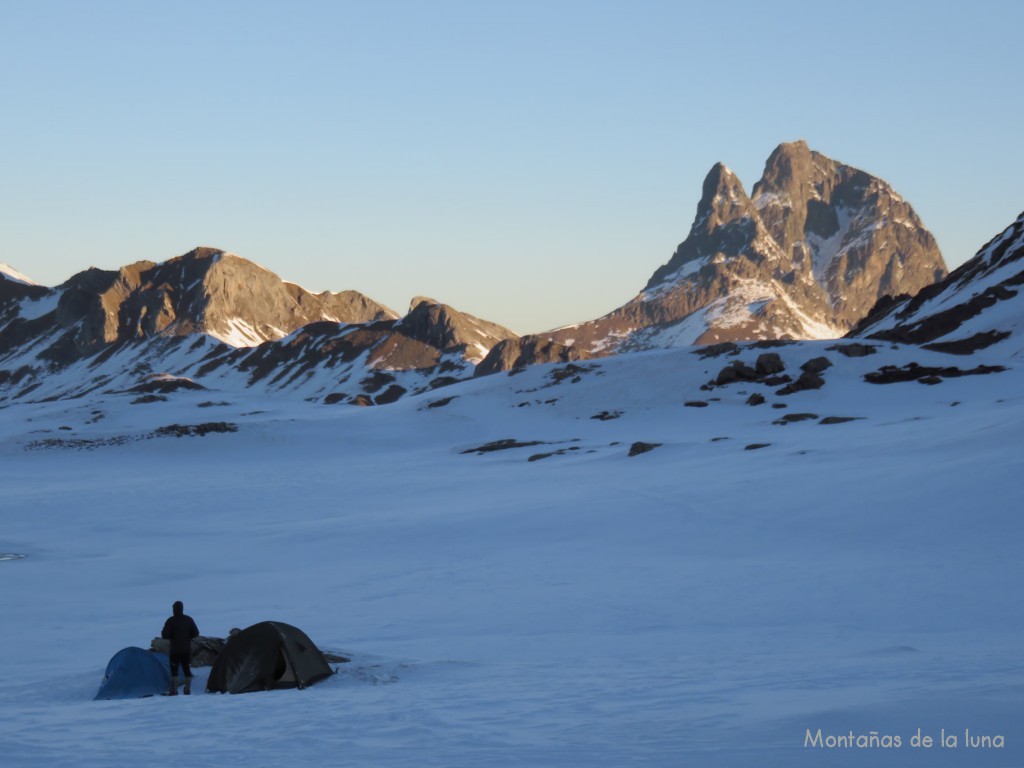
{"x": 700, "y": 604}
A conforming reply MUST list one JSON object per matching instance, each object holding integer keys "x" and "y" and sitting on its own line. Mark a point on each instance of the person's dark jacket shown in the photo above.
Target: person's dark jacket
{"x": 180, "y": 629}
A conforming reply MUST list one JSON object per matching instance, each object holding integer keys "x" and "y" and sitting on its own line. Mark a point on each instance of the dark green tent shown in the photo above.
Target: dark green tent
{"x": 266, "y": 656}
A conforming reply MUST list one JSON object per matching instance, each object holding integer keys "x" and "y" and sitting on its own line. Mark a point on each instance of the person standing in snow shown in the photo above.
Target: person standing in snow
{"x": 180, "y": 629}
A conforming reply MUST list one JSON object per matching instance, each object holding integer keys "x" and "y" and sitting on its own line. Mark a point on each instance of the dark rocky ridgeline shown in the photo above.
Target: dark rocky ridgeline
{"x": 935, "y": 315}
{"x": 817, "y": 242}
{"x": 15, "y": 290}
{"x": 434, "y": 340}
{"x": 515, "y": 354}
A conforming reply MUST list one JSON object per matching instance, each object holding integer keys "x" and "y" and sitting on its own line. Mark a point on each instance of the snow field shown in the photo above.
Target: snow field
{"x": 700, "y": 604}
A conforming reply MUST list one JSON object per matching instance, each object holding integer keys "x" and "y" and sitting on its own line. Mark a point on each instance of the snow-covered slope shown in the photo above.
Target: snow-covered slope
{"x": 977, "y": 306}
{"x": 513, "y": 587}
{"x": 10, "y": 273}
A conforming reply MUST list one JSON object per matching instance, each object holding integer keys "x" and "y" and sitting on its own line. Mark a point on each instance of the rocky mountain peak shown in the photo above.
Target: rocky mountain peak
{"x": 806, "y": 255}
{"x": 447, "y": 329}
{"x": 723, "y": 200}
{"x": 725, "y": 223}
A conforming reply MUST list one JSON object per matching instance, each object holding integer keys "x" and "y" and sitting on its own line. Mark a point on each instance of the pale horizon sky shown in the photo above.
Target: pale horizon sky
{"x": 531, "y": 163}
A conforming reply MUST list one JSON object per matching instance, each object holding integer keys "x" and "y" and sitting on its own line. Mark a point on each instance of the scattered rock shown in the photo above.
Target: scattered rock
{"x": 149, "y": 399}
{"x": 443, "y": 381}
{"x": 514, "y": 355}
{"x": 779, "y": 405}
{"x": 755, "y": 399}
{"x": 929, "y": 380}
{"x": 737, "y": 370}
{"x": 559, "y": 452}
{"x": 441, "y": 403}
{"x": 695, "y": 404}
{"x": 970, "y": 345}
{"x": 716, "y": 350}
{"x": 769, "y": 363}
{"x": 718, "y": 439}
{"x": 856, "y": 349}
{"x": 390, "y": 395}
{"x": 790, "y": 418}
{"x": 572, "y": 372}
{"x": 335, "y": 397}
{"x": 375, "y": 381}
{"x": 607, "y": 415}
{"x": 756, "y": 446}
{"x": 164, "y": 384}
{"x": 502, "y": 445}
{"x": 839, "y": 419}
{"x": 807, "y": 380}
{"x": 890, "y": 374}
{"x": 362, "y": 400}
{"x": 195, "y": 430}
{"x": 81, "y": 443}
{"x": 637, "y": 448}
{"x": 816, "y": 365}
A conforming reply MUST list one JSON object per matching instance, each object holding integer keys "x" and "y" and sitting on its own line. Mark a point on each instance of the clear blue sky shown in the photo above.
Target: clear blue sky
{"x": 528, "y": 162}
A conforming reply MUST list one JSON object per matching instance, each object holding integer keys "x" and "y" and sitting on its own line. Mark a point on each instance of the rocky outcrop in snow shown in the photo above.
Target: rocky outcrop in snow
{"x": 976, "y": 306}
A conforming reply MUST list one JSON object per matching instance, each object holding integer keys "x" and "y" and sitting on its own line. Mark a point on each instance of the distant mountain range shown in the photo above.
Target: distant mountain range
{"x": 818, "y": 250}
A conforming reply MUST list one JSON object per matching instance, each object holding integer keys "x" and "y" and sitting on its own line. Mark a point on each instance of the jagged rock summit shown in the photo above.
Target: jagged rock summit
{"x": 805, "y": 256}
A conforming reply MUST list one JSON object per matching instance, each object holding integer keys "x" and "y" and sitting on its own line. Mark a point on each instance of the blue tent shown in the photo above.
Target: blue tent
{"x": 135, "y": 673}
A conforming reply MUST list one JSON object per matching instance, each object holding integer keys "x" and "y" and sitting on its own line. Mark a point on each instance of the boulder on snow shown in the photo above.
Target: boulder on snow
{"x": 856, "y": 349}
{"x": 737, "y": 370}
{"x": 769, "y": 363}
{"x": 807, "y": 380}
{"x": 637, "y": 448}
{"x": 816, "y": 365}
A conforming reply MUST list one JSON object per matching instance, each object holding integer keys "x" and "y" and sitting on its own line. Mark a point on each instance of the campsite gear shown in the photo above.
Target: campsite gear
{"x": 266, "y": 656}
{"x": 134, "y": 673}
{"x": 204, "y": 649}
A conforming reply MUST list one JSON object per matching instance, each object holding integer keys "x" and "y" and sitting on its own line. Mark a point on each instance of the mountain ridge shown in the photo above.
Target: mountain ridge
{"x": 814, "y": 243}
{"x": 804, "y": 256}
